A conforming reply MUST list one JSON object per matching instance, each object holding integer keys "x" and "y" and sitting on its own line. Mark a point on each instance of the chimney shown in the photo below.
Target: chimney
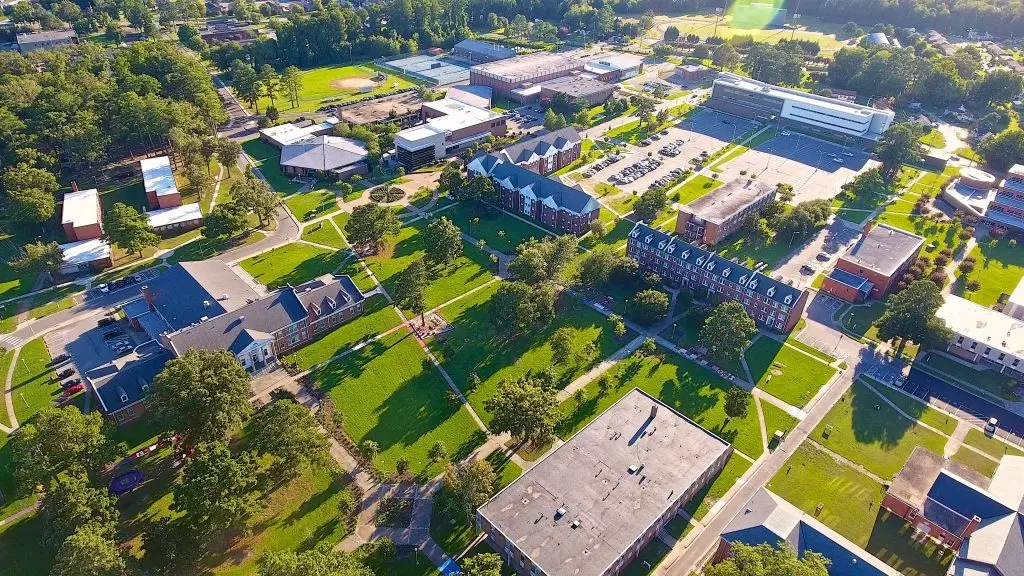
{"x": 74, "y": 186}
{"x": 971, "y": 527}
{"x": 149, "y": 297}
{"x": 654, "y": 411}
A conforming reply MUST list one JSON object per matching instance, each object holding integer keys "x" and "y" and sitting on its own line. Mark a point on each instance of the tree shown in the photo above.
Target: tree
{"x": 517, "y": 306}
{"x": 203, "y": 395}
{"x": 765, "y": 559}
{"x": 126, "y": 228}
{"x": 217, "y": 491}
{"x": 562, "y": 345}
{"x": 644, "y": 108}
{"x": 998, "y": 86}
{"x": 1003, "y": 150}
{"x": 524, "y": 409}
{"x": 725, "y": 56}
{"x": 727, "y": 332}
{"x": 71, "y": 503}
{"x": 291, "y": 84}
{"x": 39, "y": 258}
{"x": 320, "y": 561}
{"x": 942, "y": 86}
{"x": 255, "y": 195}
{"x": 553, "y": 121}
{"x": 662, "y": 52}
{"x": 437, "y": 452}
{"x": 228, "y": 151}
{"x": 671, "y": 34}
{"x": 486, "y": 564}
{"x": 225, "y": 220}
{"x": 369, "y": 449}
{"x": 869, "y": 184}
{"x": 804, "y": 218}
{"x": 898, "y": 146}
{"x": 246, "y": 83}
{"x": 702, "y": 52}
{"x": 540, "y": 260}
{"x": 477, "y": 189}
{"x": 287, "y": 431}
{"x": 910, "y": 315}
{"x": 649, "y": 306}
{"x": 30, "y": 192}
{"x": 650, "y": 203}
{"x": 90, "y": 551}
{"x": 59, "y": 440}
{"x": 596, "y": 267}
{"x": 443, "y": 241}
{"x": 411, "y": 287}
{"x": 849, "y": 30}
{"x": 470, "y": 484}
{"x": 271, "y": 83}
{"x": 370, "y": 225}
{"x": 451, "y": 178}
{"x": 737, "y": 401}
{"x": 199, "y": 179}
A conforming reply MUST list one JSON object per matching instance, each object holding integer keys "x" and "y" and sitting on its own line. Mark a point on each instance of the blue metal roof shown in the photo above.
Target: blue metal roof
{"x": 862, "y": 285}
{"x": 844, "y": 561}
{"x": 965, "y": 499}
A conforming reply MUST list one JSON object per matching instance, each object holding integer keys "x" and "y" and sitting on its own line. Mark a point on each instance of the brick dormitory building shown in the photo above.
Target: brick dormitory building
{"x": 546, "y": 153}
{"x": 769, "y": 302}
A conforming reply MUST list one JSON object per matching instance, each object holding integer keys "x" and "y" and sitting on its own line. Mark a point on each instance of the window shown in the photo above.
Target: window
{"x": 974, "y": 345}
{"x": 1002, "y": 356}
{"x": 987, "y": 350}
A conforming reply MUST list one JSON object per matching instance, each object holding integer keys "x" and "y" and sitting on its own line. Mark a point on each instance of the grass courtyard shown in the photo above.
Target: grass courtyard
{"x": 693, "y": 189}
{"x": 378, "y": 317}
{"x": 702, "y": 501}
{"x": 785, "y": 372}
{"x": 860, "y": 320}
{"x": 497, "y": 228}
{"x": 309, "y": 205}
{"x": 35, "y": 384}
{"x": 338, "y": 84}
{"x": 268, "y": 160}
{"x": 475, "y": 346}
{"x": 293, "y": 264}
{"x": 391, "y": 395}
{"x": 751, "y": 248}
{"x": 323, "y": 232}
{"x": 999, "y": 269}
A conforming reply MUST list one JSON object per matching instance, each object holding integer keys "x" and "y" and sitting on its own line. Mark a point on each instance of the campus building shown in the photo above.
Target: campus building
{"x": 449, "y": 127}
{"x": 984, "y": 336}
{"x": 479, "y": 52}
{"x": 874, "y": 265}
{"x": 546, "y": 153}
{"x": 284, "y": 134}
{"x": 769, "y": 519}
{"x": 204, "y": 305}
{"x": 173, "y": 221}
{"x": 769, "y": 302}
{"x": 721, "y": 212}
{"x": 614, "y": 66}
{"x": 981, "y": 519}
{"x": 692, "y": 72}
{"x": 1007, "y": 207}
{"x": 158, "y": 180}
{"x": 767, "y": 103}
{"x": 82, "y": 220}
{"x": 46, "y": 40}
{"x": 402, "y": 109}
{"x": 592, "y": 504}
{"x": 504, "y": 76}
{"x": 523, "y": 191}
{"x": 573, "y": 87}
{"x": 324, "y": 156}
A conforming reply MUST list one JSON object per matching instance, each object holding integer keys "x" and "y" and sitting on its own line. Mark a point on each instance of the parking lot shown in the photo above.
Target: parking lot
{"x": 816, "y": 169}
{"x": 817, "y": 254}
{"x": 525, "y": 118}
{"x": 127, "y": 281}
{"x": 705, "y": 130}
{"x": 91, "y": 345}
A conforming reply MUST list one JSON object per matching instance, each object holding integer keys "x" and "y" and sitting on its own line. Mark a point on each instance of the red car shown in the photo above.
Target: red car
{"x": 74, "y": 390}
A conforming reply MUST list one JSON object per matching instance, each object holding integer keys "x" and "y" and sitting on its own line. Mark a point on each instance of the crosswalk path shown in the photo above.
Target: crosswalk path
{"x": 8, "y": 342}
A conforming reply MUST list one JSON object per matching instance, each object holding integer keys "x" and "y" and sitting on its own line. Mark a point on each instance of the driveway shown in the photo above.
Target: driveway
{"x": 832, "y": 240}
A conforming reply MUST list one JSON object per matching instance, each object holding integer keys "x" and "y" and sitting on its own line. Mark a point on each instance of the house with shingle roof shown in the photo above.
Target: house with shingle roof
{"x": 546, "y": 153}
{"x": 562, "y": 207}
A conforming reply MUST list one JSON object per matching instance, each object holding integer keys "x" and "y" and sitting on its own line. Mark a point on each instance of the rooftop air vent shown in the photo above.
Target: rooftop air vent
{"x": 575, "y": 524}
{"x": 632, "y": 469}
{"x": 206, "y": 303}
{"x": 559, "y": 513}
{"x": 224, "y": 296}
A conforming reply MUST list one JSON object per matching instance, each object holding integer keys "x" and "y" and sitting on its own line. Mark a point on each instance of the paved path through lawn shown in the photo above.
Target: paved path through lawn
{"x": 595, "y": 372}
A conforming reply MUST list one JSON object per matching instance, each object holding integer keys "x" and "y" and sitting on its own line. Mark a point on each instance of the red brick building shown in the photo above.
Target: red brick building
{"x": 721, "y": 212}
{"x": 546, "y": 153}
{"x": 81, "y": 215}
{"x": 158, "y": 179}
{"x": 872, "y": 266}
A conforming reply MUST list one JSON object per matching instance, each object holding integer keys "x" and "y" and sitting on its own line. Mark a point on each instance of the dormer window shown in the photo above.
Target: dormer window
{"x": 753, "y": 284}
{"x": 743, "y": 280}
{"x": 725, "y": 272}
{"x": 635, "y": 233}
{"x": 686, "y": 254}
{"x": 711, "y": 265}
{"x": 661, "y": 245}
{"x": 788, "y": 300}
{"x": 771, "y": 291}
{"x": 648, "y": 239}
{"x": 700, "y": 261}
{"x": 671, "y": 248}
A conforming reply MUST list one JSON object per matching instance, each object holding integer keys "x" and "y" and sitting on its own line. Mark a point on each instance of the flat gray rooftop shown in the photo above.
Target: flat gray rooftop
{"x": 919, "y": 472}
{"x": 589, "y": 477}
{"x": 576, "y": 86}
{"x": 883, "y": 249}
{"x": 529, "y": 65}
{"x": 723, "y": 202}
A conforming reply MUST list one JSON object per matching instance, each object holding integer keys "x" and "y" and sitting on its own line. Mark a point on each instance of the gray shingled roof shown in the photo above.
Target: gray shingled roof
{"x": 190, "y": 290}
{"x": 322, "y": 153}
{"x": 541, "y": 145}
{"x": 265, "y": 315}
{"x": 733, "y": 272}
{"x": 322, "y": 293}
{"x": 573, "y": 199}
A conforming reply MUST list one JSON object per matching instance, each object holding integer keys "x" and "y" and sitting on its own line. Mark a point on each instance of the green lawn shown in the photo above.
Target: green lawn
{"x": 703, "y": 500}
{"x": 205, "y": 248}
{"x": 685, "y": 335}
{"x": 378, "y": 317}
{"x": 683, "y": 385}
{"x": 776, "y": 418}
{"x": 856, "y": 208}
{"x": 35, "y": 384}
{"x": 353, "y": 267}
{"x": 999, "y": 385}
{"x": 497, "y": 228}
{"x": 54, "y": 300}
{"x": 337, "y": 84}
{"x": 751, "y": 248}
{"x": 999, "y": 269}
{"x": 5, "y": 364}
{"x": 786, "y": 373}
{"x": 989, "y": 445}
{"x": 936, "y": 235}
{"x": 469, "y": 271}
{"x": 267, "y": 159}
{"x": 325, "y": 233}
{"x": 622, "y": 203}
{"x": 13, "y": 499}
{"x": 615, "y": 233}
{"x": 308, "y": 205}
{"x": 866, "y": 430}
{"x": 474, "y": 345}
{"x": 975, "y": 461}
{"x": 969, "y": 154}
{"x": 291, "y": 264}
{"x": 917, "y": 409}
{"x": 133, "y": 195}
{"x": 21, "y": 550}
{"x": 390, "y": 397}
{"x": 860, "y": 319}
{"x": 693, "y": 189}
{"x": 678, "y": 527}
{"x": 933, "y": 138}
{"x": 648, "y": 559}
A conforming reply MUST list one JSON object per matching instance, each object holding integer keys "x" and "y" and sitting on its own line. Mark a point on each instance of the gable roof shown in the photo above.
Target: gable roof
{"x": 267, "y": 315}
{"x": 550, "y": 191}
{"x": 733, "y": 272}
{"x": 322, "y": 153}
{"x": 327, "y": 294}
{"x": 157, "y": 176}
{"x": 544, "y": 145}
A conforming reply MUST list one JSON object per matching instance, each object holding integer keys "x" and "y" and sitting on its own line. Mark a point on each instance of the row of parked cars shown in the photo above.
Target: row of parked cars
{"x": 601, "y": 165}
{"x": 653, "y": 138}
{"x": 671, "y": 149}
{"x": 635, "y": 170}
{"x": 120, "y": 283}
{"x": 672, "y": 176}
{"x": 72, "y": 385}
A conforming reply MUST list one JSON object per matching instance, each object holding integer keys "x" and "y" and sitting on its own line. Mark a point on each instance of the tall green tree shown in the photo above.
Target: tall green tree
{"x": 998, "y": 86}
{"x": 725, "y": 56}
{"x": 71, "y": 503}
{"x": 38, "y": 258}
{"x": 256, "y": 196}
{"x": 470, "y": 484}
{"x": 898, "y": 146}
{"x": 322, "y": 560}
{"x": 443, "y": 241}
{"x": 225, "y": 220}
{"x": 562, "y": 345}
{"x": 486, "y": 564}
{"x": 271, "y": 83}
{"x": 910, "y": 315}
{"x": 524, "y": 409}
{"x": 126, "y": 228}
{"x": 649, "y": 306}
{"x": 765, "y": 559}
{"x": 203, "y": 395}
{"x": 737, "y": 402}
{"x": 228, "y": 151}
{"x": 370, "y": 225}
{"x": 291, "y": 84}
{"x": 727, "y": 332}
{"x": 287, "y": 431}
{"x": 650, "y": 203}
{"x": 59, "y": 440}
{"x": 90, "y": 551}
{"x": 29, "y": 192}
{"x": 1003, "y": 150}
{"x": 199, "y": 180}
{"x": 246, "y": 83}
{"x": 411, "y": 288}
{"x": 217, "y": 491}
{"x": 517, "y": 306}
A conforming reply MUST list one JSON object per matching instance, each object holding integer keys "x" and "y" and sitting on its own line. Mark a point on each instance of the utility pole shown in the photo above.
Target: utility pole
{"x": 796, "y": 16}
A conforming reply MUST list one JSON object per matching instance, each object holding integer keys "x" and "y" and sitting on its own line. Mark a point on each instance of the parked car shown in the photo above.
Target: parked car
{"x": 66, "y": 373}
{"x": 103, "y": 288}
{"x": 990, "y": 427}
{"x": 59, "y": 359}
{"x": 115, "y": 333}
{"x": 69, "y": 392}
{"x": 106, "y": 321}
{"x": 786, "y": 133}
{"x": 808, "y": 269}
{"x": 823, "y": 256}
{"x": 70, "y": 383}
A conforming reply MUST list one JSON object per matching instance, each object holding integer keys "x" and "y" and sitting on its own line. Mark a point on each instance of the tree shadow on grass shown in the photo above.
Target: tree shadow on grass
{"x": 317, "y": 265}
{"x": 873, "y": 420}
{"x": 892, "y": 541}
{"x": 761, "y": 355}
{"x": 333, "y": 374}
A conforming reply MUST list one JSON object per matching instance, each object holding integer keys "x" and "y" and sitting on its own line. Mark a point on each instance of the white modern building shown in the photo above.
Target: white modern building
{"x": 984, "y": 336}
{"x": 450, "y": 127}
{"x": 285, "y": 134}
{"x": 768, "y": 103}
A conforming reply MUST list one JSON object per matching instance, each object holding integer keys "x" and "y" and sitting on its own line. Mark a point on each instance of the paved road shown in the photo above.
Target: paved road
{"x": 965, "y": 405}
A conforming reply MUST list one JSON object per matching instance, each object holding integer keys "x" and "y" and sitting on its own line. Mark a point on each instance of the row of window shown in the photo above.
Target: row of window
{"x": 988, "y": 350}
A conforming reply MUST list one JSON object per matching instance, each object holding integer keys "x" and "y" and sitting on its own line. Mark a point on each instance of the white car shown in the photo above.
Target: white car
{"x": 104, "y": 288}
{"x": 837, "y": 159}
{"x": 848, "y": 154}
{"x": 990, "y": 427}
{"x": 786, "y": 133}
